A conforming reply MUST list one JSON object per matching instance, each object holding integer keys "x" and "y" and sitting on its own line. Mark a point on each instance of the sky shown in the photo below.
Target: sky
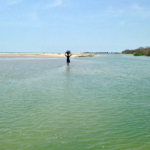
{"x": 54, "y": 26}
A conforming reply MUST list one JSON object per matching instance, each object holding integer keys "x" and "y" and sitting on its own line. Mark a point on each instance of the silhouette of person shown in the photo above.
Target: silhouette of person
{"x": 68, "y": 55}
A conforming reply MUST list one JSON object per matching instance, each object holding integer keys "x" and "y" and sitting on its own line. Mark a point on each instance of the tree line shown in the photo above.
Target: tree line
{"x": 141, "y": 51}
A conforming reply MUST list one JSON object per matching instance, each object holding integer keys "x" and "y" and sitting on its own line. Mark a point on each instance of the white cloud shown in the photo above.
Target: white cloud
{"x": 13, "y": 2}
{"x": 132, "y": 11}
{"x": 54, "y": 4}
{"x": 121, "y": 11}
{"x": 7, "y": 3}
{"x": 34, "y": 16}
{"x": 136, "y": 7}
{"x": 122, "y": 22}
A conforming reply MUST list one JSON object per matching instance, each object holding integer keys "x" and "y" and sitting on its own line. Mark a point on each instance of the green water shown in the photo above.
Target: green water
{"x": 96, "y": 103}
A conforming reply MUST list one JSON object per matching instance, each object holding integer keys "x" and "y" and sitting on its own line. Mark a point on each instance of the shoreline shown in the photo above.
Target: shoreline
{"x": 47, "y": 55}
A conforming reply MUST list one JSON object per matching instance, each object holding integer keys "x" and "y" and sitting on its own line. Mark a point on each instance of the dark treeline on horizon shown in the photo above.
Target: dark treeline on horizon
{"x": 145, "y": 51}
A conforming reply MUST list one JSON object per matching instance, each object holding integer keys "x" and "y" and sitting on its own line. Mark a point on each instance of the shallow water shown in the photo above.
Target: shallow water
{"x": 96, "y": 103}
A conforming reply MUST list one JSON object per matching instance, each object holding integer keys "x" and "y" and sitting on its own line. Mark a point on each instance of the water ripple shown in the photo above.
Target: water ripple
{"x": 96, "y": 103}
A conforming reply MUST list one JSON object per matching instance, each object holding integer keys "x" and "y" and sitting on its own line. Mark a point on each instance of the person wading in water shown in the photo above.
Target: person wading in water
{"x": 68, "y": 55}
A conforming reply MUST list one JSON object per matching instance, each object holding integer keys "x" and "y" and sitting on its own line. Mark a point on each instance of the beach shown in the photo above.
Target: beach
{"x": 47, "y": 55}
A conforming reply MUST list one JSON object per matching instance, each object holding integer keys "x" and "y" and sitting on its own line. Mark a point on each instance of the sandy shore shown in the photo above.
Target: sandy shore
{"x": 46, "y": 55}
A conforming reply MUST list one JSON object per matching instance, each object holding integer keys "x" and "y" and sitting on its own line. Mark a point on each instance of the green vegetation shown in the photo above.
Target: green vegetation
{"x": 138, "y": 54}
{"x": 141, "y": 51}
{"x": 148, "y": 54}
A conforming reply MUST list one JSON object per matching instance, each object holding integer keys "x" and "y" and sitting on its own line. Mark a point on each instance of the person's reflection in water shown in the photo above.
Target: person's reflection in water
{"x": 68, "y": 69}
{"x": 68, "y": 55}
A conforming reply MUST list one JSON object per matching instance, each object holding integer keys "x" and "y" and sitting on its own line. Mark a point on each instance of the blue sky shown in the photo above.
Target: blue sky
{"x": 77, "y": 25}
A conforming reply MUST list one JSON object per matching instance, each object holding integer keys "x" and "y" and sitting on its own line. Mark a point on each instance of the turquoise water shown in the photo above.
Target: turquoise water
{"x": 96, "y": 103}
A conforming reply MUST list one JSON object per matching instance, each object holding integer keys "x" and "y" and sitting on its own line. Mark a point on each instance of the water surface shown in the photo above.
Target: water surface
{"x": 96, "y": 103}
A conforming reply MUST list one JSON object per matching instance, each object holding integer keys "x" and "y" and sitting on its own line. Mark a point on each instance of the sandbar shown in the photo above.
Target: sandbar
{"x": 47, "y": 55}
